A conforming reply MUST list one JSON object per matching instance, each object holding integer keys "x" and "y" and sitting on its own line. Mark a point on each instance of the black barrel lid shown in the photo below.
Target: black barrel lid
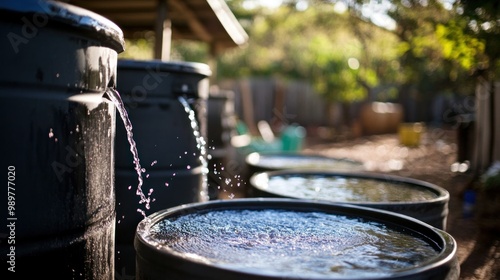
{"x": 65, "y": 15}
{"x": 166, "y": 66}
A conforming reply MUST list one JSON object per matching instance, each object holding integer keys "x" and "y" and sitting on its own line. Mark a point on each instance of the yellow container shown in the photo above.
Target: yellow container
{"x": 410, "y": 133}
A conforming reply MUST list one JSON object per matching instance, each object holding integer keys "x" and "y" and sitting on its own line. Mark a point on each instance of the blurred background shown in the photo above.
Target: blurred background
{"x": 337, "y": 67}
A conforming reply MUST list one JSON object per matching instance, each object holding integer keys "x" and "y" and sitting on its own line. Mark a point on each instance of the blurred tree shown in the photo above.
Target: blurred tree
{"x": 481, "y": 20}
{"x": 435, "y": 46}
{"x": 139, "y": 46}
{"x": 319, "y": 45}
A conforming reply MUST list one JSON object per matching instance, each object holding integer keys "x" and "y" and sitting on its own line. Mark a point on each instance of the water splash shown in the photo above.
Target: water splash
{"x": 116, "y": 99}
{"x": 200, "y": 142}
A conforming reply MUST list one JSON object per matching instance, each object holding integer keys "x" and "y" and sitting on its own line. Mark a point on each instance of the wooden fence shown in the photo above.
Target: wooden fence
{"x": 278, "y": 102}
{"x": 487, "y": 126}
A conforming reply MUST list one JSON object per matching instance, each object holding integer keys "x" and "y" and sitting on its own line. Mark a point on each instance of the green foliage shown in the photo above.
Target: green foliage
{"x": 482, "y": 17}
{"x": 316, "y": 45}
{"x": 492, "y": 182}
{"x": 433, "y": 49}
{"x": 138, "y": 48}
{"x": 189, "y": 51}
{"x": 458, "y": 46}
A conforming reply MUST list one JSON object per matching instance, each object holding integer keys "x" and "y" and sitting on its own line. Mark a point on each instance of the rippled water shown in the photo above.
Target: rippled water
{"x": 346, "y": 189}
{"x": 290, "y": 243}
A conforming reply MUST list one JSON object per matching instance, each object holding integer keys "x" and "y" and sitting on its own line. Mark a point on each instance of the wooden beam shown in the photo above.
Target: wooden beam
{"x": 163, "y": 32}
{"x": 114, "y": 6}
{"x": 193, "y": 21}
{"x": 133, "y": 18}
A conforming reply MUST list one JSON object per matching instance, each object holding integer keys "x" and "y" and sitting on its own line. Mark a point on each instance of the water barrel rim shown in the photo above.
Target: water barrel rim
{"x": 251, "y": 159}
{"x": 66, "y": 15}
{"x": 443, "y": 196}
{"x": 165, "y": 66}
{"x": 447, "y": 246}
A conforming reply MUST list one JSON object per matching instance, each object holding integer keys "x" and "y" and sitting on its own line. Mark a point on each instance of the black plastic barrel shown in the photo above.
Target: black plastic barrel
{"x": 272, "y": 161}
{"x": 221, "y": 118}
{"x": 58, "y": 132}
{"x": 424, "y": 201}
{"x": 168, "y": 146}
{"x": 257, "y": 162}
{"x": 180, "y": 252}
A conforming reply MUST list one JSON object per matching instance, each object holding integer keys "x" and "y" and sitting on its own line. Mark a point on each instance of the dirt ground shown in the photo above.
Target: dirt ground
{"x": 478, "y": 249}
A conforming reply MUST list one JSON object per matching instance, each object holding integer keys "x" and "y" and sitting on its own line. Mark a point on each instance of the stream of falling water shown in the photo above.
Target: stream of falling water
{"x": 117, "y": 100}
{"x": 200, "y": 143}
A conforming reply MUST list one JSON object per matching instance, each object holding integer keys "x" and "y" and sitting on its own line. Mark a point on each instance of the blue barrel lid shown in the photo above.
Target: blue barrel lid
{"x": 166, "y": 66}
{"x": 65, "y": 15}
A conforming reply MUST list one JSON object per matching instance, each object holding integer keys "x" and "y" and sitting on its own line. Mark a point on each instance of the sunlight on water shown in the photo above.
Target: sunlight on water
{"x": 343, "y": 189}
{"x": 290, "y": 243}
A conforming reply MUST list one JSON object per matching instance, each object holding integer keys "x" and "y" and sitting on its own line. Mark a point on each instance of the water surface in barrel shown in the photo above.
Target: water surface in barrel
{"x": 290, "y": 243}
{"x": 346, "y": 189}
{"x": 282, "y": 162}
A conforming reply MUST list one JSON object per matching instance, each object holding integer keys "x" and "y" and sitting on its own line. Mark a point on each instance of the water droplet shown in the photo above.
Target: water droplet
{"x": 166, "y": 184}
{"x": 51, "y": 133}
{"x": 188, "y": 167}
{"x": 154, "y": 162}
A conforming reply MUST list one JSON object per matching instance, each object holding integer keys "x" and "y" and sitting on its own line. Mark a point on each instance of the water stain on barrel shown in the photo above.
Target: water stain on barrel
{"x": 58, "y": 133}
